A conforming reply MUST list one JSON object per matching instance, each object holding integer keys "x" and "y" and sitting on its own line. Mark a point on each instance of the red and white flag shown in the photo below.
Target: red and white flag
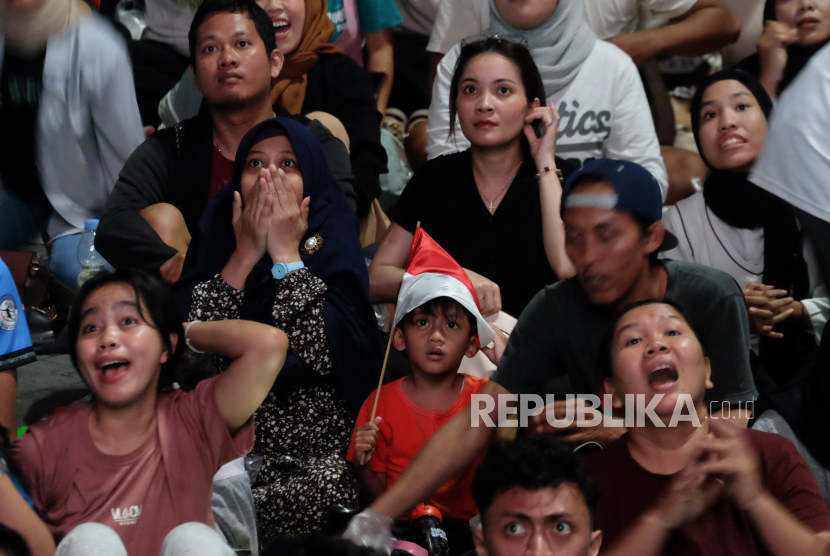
{"x": 431, "y": 272}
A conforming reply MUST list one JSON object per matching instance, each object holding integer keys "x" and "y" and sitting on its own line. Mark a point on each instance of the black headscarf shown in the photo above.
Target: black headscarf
{"x": 351, "y": 328}
{"x": 742, "y": 204}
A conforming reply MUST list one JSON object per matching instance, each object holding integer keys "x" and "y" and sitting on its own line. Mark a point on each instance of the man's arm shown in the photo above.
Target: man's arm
{"x": 17, "y": 515}
{"x": 8, "y": 402}
{"x": 15, "y": 351}
{"x": 707, "y": 26}
{"x": 124, "y": 237}
{"x": 453, "y": 447}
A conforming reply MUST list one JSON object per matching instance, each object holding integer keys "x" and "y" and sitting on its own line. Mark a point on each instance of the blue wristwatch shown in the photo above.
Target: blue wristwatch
{"x": 279, "y": 270}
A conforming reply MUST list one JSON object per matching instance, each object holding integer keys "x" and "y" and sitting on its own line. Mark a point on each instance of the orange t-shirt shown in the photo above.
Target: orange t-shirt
{"x": 405, "y": 427}
{"x": 142, "y": 495}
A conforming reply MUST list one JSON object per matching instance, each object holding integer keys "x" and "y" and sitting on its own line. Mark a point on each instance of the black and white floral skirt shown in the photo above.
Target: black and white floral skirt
{"x": 303, "y": 440}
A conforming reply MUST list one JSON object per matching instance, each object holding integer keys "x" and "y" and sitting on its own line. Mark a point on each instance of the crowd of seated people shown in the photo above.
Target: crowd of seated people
{"x": 660, "y": 390}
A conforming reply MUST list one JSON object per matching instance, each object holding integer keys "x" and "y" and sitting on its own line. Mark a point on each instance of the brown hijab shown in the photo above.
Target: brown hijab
{"x": 317, "y": 29}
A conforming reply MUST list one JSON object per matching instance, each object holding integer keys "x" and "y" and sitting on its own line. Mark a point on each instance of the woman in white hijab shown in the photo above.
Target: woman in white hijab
{"x": 594, "y": 85}
{"x": 69, "y": 120}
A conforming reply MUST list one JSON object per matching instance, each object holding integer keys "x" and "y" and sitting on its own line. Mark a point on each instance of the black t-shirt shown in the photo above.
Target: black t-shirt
{"x": 21, "y": 88}
{"x": 554, "y": 348}
{"x": 506, "y": 247}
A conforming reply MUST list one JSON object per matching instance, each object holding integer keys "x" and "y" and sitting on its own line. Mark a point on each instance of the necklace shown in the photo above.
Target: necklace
{"x": 216, "y": 143}
{"x": 492, "y": 207}
{"x": 725, "y": 250}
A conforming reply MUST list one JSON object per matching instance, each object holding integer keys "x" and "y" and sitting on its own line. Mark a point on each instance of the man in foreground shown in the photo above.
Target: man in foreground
{"x": 535, "y": 497}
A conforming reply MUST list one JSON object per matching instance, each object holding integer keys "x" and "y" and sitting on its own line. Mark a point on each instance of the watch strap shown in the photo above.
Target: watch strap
{"x": 280, "y": 270}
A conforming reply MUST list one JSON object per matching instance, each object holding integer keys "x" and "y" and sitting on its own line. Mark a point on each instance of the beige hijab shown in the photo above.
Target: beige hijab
{"x": 27, "y": 33}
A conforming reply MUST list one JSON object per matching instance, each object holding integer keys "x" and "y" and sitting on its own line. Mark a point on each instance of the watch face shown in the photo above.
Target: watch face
{"x": 278, "y": 271}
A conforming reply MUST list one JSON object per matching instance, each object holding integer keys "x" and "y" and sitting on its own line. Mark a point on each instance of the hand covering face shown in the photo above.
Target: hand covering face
{"x": 350, "y": 325}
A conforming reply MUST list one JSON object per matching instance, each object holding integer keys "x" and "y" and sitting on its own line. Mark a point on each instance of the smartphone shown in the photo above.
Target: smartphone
{"x": 538, "y": 127}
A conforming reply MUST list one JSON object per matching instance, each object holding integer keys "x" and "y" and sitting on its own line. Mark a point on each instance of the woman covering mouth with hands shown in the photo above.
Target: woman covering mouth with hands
{"x": 279, "y": 245}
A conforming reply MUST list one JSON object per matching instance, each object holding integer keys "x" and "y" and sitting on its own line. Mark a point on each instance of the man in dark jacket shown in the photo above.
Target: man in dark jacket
{"x": 165, "y": 185}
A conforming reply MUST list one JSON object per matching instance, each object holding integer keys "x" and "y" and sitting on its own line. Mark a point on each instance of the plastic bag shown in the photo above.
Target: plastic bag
{"x": 370, "y": 528}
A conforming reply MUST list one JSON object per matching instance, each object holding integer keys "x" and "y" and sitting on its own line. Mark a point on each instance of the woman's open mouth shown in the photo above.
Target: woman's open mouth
{"x": 281, "y": 29}
{"x": 662, "y": 377}
{"x": 733, "y": 141}
{"x": 113, "y": 371}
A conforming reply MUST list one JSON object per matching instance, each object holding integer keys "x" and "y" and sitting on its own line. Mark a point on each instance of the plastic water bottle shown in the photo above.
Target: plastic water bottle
{"x": 427, "y": 530}
{"x": 91, "y": 261}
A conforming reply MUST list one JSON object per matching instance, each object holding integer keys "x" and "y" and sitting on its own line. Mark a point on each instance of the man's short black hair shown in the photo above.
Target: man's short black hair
{"x": 532, "y": 463}
{"x": 441, "y": 306}
{"x": 264, "y": 25}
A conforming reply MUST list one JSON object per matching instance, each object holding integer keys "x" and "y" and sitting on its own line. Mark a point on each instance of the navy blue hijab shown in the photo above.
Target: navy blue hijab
{"x": 351, "y": 329}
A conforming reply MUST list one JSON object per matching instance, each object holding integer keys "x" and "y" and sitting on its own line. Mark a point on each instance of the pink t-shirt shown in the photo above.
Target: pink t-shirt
{"x": 142, "y": 495}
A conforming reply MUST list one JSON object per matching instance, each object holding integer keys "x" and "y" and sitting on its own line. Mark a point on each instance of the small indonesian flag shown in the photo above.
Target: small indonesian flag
{"x": 431, "y": 272}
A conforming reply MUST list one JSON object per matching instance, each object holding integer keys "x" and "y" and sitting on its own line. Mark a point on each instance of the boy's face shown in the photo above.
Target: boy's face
{"x": 232, "y": 67}
{"x": 436, "y": 344}
{"x": 546, "y": 522}
{"x": 608, "y": 248}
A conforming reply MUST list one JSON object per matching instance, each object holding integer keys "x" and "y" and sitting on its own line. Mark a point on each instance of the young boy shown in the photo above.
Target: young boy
{"x": 439, "y": 324}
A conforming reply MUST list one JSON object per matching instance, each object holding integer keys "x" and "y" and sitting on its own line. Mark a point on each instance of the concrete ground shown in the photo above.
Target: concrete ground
{"x": 46, "y": 384}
